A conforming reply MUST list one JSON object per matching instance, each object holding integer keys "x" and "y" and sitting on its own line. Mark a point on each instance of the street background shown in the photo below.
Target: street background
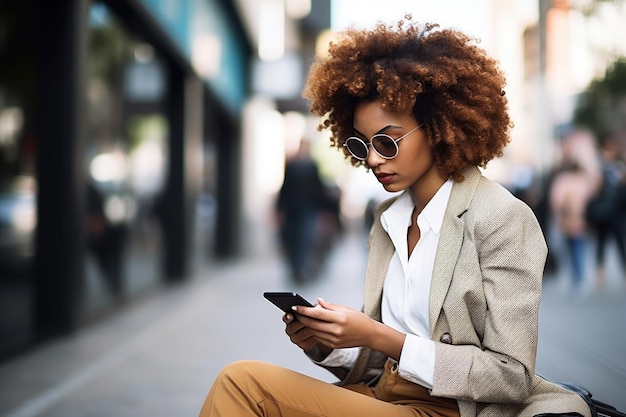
{"x": 159, "y": 355}
{"x": 144, "y": 143}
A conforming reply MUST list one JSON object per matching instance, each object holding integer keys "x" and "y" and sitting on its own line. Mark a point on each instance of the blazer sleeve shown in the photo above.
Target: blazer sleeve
{"x": 491, "y": 309}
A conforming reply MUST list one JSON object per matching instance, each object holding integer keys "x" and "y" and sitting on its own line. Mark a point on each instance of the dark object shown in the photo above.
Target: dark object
{"x": 598, "y": 408}
{"x": 286, "y": 300}
{"x": 602, "y": 207}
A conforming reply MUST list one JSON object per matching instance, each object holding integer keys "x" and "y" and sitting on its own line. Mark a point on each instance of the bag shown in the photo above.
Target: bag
{"x": 600, "y": 209}
{"x": 598, "y": 408}
{"x": 604, "y": 205}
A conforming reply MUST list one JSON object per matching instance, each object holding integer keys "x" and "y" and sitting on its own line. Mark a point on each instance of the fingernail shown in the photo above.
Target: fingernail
{"x": 294, "y": 308}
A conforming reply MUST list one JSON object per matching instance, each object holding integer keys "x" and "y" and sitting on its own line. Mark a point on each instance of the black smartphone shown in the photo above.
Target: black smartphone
{"x": 286, "y": 300}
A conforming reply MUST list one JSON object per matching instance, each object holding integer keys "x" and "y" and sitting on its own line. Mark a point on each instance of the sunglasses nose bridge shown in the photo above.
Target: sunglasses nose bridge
{"x": 375, "y": 158}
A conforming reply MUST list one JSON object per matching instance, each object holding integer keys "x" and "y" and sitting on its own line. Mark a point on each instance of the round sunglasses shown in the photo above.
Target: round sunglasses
{"x": 384, "y": 145}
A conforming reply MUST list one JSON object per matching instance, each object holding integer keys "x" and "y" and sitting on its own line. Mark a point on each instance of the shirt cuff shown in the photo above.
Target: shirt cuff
{"x": 340, "y": 357}
{"x": 417, "y": 360}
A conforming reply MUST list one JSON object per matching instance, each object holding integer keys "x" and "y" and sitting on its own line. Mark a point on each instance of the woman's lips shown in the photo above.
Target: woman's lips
{"x": 385, "y": 178}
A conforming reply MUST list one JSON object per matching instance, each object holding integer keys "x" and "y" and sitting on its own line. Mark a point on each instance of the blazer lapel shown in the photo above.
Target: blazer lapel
{"x": 450, "y": 242}
{"x": 380, "y": 252}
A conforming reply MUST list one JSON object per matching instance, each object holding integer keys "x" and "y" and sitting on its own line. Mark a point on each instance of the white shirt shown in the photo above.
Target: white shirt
{"x": 407, "y": 286}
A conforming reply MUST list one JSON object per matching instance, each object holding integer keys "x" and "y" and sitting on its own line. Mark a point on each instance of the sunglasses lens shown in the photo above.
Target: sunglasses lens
{"x": 357, "y": 148}
{"x": 385, "y": 146}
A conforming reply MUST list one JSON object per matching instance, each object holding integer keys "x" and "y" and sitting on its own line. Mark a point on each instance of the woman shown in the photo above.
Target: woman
{"x": 571, "y": 191}
{"x": 453, "y": 282}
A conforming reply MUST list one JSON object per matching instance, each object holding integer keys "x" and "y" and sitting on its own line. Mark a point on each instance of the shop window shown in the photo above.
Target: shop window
{"x": 18, "y": 206}
{"x": 126, "y": 161}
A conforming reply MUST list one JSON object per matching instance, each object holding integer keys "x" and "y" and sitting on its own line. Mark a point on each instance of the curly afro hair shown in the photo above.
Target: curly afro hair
{"x": 449, "y": 84}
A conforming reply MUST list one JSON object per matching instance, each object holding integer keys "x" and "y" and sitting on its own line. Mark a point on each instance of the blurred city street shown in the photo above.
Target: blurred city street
{"x": 156, "y": 155}
{"x": 159, "y": 355}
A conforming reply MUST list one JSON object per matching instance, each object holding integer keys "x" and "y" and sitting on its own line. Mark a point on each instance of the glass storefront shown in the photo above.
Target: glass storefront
{"x": 126, "y": 162}
{"x": 112, "y": 150}
{"x": 18, "y": 206}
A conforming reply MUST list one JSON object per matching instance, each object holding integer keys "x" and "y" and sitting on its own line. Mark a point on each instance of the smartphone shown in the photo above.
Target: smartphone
{"x": 286, "y": 300}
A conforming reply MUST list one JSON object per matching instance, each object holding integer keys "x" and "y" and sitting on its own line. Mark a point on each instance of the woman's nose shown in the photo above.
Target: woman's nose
{"x": 373, "y": 159}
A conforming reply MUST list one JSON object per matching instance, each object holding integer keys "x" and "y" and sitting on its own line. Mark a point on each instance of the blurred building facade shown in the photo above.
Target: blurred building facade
{"x": 550, "y": 51}
{"x": 124, "y": 129}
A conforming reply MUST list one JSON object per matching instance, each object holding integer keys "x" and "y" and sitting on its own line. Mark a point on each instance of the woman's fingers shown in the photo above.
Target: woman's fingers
{"x": 322, "y": 311}
{"x": 293, "y": 327}
{"x": 336, "y": 326}
{"x": 300, "y": 335}
{"x": 327, "y": 305}
{"x": 330, "y": 324}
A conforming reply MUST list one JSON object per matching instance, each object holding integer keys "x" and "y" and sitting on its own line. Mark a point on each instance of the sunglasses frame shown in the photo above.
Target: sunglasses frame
{"x": 369, "y": 144}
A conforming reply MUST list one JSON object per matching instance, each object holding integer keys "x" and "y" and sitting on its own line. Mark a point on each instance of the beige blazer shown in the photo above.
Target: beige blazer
{"x": 484, "y": 304}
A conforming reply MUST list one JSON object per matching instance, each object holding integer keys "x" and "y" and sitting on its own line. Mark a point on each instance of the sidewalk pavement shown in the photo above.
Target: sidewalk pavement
{"x": 159, "y": 356}
{"x": 582, "y": 338}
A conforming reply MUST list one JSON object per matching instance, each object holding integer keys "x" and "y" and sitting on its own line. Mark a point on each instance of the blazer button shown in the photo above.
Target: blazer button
{"x": 446, "y": 338}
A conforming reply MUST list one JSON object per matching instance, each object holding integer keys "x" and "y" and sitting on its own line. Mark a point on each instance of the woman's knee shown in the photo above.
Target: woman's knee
{"x": 245, "y": 373}
{"x": 241, "y": 369}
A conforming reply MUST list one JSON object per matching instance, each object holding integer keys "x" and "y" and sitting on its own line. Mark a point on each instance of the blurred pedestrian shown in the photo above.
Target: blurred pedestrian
{"x": 606, "y": 211}
{"x": 544, "y": 216}
{"x": 106, "y": 240}
{"x": 453, "y": 283}
{"x": 299, "y": 204}
{"x": 329, "y": 224}
{"x": 571, "y": 190}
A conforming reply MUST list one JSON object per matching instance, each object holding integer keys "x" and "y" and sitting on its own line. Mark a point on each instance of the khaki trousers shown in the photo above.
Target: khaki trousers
{"x": 251, "y": 388}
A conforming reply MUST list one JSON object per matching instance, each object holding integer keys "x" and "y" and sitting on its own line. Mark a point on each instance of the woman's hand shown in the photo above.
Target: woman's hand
{"x": 301, "y": 336}
{"x": 335, "y": 326}
{"x": 299, "y": 333}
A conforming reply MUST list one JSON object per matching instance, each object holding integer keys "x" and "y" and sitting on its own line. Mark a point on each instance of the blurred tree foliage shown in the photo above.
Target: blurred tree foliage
{"x": 602, "y": 107}
{"x": 591, "y": 8}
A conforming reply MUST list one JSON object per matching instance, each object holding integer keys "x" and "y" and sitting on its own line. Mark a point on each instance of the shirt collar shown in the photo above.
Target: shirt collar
{"x": 401, "y": 209}
{"x": 436, "y": 207}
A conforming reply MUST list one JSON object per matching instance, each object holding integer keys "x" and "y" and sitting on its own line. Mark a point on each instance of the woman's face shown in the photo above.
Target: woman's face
{"x": 413, "y": 168}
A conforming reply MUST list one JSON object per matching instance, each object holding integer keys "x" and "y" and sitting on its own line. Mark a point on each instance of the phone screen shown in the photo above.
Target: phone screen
{"x": 286, "y": 300}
